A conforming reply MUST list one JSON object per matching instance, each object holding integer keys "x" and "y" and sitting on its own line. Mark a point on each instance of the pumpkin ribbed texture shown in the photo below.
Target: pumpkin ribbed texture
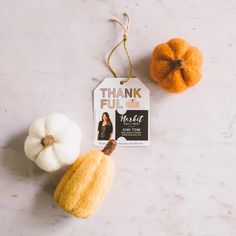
{"x": 176, "y": 65}
{"x": 85, "y": 184}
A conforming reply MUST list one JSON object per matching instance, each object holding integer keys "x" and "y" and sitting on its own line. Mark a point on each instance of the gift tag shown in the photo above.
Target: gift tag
{"x": 121, "y": 105}
{"x": 121, "y": 112}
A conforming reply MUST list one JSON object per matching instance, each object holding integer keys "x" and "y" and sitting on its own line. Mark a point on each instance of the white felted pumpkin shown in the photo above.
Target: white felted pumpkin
{"x": 53, "y": 141}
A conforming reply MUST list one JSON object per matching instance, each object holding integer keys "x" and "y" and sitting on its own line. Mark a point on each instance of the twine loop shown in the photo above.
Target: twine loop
{"x": 123, "y": 41}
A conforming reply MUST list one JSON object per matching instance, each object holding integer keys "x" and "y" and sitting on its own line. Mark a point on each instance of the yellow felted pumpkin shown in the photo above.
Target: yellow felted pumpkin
{"x": 176, "y": 65}
{"x": 84, "y": 186}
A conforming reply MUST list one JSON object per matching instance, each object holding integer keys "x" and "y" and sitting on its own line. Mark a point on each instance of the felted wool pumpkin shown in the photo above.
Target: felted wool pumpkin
{"x": 84, "y": 186}
{"x": 53, "y": 141}
{"x": 176, "y": 65}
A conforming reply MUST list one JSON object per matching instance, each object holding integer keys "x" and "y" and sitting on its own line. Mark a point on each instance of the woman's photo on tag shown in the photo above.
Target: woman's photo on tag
{"x": 105, "y": 126}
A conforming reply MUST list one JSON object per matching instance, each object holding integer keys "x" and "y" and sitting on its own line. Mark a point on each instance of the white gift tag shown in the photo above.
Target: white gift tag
{"x": 122, "y": 112}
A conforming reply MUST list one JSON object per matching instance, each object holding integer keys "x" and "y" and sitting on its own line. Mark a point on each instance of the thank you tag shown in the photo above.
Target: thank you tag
{"x": 121, "y": 112}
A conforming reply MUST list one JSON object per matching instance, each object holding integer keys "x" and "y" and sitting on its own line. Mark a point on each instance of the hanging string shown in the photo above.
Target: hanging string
{"x": 123, "y": 41}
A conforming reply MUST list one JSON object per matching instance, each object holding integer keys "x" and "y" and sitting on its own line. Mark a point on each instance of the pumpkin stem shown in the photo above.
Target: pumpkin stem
{"x": 110, "y": 147}
{"x": 177, "y": 64}
{"x": 47, "y": 141}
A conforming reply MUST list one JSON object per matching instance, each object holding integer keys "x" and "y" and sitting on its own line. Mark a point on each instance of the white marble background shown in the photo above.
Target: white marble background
{"x": 51, "y": 58}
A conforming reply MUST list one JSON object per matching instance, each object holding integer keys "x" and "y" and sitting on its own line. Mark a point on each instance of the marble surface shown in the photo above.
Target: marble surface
{"x": 52, "y": 57}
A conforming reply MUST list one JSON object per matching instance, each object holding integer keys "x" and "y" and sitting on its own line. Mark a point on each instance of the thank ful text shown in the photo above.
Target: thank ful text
{"x": 110, "y": 96}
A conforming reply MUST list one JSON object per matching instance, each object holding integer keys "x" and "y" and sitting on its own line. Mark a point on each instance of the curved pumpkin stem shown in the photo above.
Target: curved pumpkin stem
{"x": 178, "y": 64}
{"x": 110, "y": 147}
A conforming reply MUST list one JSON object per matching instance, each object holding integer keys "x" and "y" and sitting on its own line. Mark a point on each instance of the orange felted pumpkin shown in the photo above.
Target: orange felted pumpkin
{"x": 176, "y": 65}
